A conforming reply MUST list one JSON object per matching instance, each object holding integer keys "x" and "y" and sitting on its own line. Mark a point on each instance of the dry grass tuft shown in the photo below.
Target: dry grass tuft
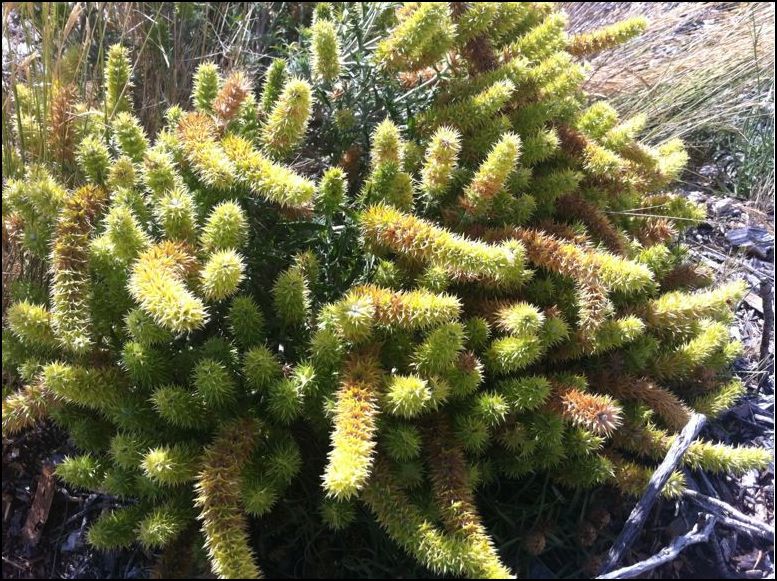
{"x": 699, "y": 65}
{"x": 703, "y": 71}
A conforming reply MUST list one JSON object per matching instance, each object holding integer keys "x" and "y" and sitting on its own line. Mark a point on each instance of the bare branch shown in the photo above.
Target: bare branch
{"x": 640, "y": 513}
{"x": 668, "y": 553}
{"x": 730, "y": 516}
{"x": 765, "y": 291}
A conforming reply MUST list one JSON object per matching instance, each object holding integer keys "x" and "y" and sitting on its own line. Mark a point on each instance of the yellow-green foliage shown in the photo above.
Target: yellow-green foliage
{"x": 71, "y": 285}
{"x": 174, "y": 212}
{"x": 118, "y": 80}
{"x": 363, "y": 308}
{"x": 420, "y": 40}
{"x": 218, "y": 498}
{"x": 287, "y": 121}
{"x": 225, "y": 228}
{"x": 94, "y": 159}
{"x": 607, "y": 37}
{"x": 466, "y": 297}
{"x": 492, "y": 175}
{"x": 221, "y": 274}
{"x": 388, "y": 182}
{"x": 463, "y": 258}
{"x": 353, "y": 439}
{"x": 197, "y": 133}
{"x": 129, "y": 137}
{"x": 680, "y": 312}
{"x": 274, "y": 182}
{"x": 35, "y": 200}
{"x": 206, "y": 87}
{"x": 31, "y": 324}
{"x": 720, "y": 399}
{"x": 291, "y": 295}
{"x": 26, "y": 407}
{"x": 275, "y": 77}
{"x": 445, "y": 554}
{"x": 331, "y": 191}
{"x": 157, "y": 284}
{"x": 441, "y": 160}
{"x": 325, "y": 47}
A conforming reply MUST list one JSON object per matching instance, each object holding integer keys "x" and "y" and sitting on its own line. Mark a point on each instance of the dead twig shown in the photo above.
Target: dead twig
{"x": 723, "y": 568}
{"x": 41, "y": 505}
{"x": 730, "y": 516}
{"x": 640, "y": 513}
{"x": 668, "y": 553}
{"x": 15, "y": 564}
{"x": 765, "y": 291}
{"x": 89, "y": 506}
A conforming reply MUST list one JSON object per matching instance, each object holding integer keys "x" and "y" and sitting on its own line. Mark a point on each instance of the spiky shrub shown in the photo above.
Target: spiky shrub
{"x": 512, "y": 270}
{"x": 152, "y": 349}
{"x": 520, "y": 317}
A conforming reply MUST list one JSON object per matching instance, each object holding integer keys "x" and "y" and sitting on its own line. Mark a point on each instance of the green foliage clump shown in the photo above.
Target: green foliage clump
{"x": 118, "y": 81}
{"x": 274, "y": 79}
{"x": 35, "y": 202}
{"x": 206, "y": 87}
{"x": 325, "y": 50}
{"x": 286, "y": 123}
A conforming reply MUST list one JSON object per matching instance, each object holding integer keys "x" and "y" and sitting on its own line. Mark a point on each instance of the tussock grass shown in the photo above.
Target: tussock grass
{"x": 699, "y": 65}
{"x": 703, "y": 71}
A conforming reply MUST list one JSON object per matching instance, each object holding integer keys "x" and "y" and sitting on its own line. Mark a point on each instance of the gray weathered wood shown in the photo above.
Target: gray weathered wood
{"x": 640, "y": 512}
{"x": 730, "y": 516}
{"x": 765, "y": 291}
{"x": 667, "y": 554}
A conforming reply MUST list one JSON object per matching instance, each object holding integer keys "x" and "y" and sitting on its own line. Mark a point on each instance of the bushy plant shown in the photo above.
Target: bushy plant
{"x": 487, "y": 298}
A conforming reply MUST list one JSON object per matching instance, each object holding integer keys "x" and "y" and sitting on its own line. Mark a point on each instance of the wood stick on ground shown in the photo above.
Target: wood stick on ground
{"x": 640, "y": 513}
{"x": 724, "y": 570}
{"x": 730, "y": 516}
{"x": 765, "y": 291}
{"x": 41, "y": 505}
{"x": 668, "y": 553}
